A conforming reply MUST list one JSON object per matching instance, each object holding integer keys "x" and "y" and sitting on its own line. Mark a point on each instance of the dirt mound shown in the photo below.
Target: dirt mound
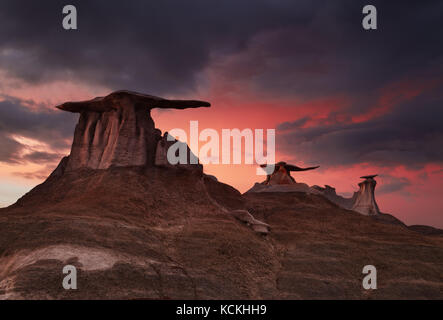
{"x": 161, "y": 233}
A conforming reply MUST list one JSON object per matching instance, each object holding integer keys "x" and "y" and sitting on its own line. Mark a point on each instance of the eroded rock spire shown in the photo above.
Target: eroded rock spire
{"x": 365, "y": 198}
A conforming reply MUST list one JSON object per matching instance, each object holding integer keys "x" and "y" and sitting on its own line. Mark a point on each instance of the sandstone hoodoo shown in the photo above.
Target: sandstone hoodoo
{"x": 280, "y": 180}
{"x": 365, "y": 200}
{"x": 282, "y": 173}
{"x": 117, "y": 130}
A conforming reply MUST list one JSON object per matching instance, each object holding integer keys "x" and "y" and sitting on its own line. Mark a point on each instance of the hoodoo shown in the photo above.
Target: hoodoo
{"x": 365, "y": 200}
{"x": 117, "y": 130}
{"x": 280, "y": 180}
{"x": 282, "y": 173}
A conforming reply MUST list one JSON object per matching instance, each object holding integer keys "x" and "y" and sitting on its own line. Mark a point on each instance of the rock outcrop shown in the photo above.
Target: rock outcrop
{"x": 256, "y": 225}
{"x": 280, "y": 180}
{"x": 365, "y": 200}
{"x": 282, "y": 174}
{"x": 161, "y": 154}
{"x": 117, "y": 130}
{"x": 331, "y": 194}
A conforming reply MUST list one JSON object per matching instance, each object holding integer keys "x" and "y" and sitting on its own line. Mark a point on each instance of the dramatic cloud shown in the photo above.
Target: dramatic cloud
{"x": 411, "y": 135}
{"x": 393, "y": 184}
{"x": 293, "y": 47}
{"x": 154, "y": 45}
{"x": 24, "y": 133}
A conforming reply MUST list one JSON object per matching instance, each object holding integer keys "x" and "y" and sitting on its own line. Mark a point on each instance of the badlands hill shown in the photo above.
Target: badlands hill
{"x": 137, "y": 228}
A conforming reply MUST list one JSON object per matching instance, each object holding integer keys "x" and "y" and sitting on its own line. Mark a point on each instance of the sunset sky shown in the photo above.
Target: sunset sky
{"x": 353, "y": 101}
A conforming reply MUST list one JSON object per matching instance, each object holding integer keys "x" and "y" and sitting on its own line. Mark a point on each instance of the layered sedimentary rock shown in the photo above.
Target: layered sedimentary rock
{"x": 117, "y": 130}
{"x": 256, "y": 225}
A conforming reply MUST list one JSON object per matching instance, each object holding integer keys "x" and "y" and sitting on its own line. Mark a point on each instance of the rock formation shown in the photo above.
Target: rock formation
{"x": 282, "y": 173}
{"x": 280, "y": 180}
{"x": 365, "y": 200}
{"x": 161, "y": 154}
{"x": 256, "y": 225}
{"x": 117, "y": 130}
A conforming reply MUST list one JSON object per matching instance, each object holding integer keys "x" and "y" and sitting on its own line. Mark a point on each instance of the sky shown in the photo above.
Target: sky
{"x": 353, "y": 101}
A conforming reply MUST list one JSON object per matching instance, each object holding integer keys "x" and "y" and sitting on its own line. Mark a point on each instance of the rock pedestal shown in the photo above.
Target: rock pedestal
{"x": 282, "y": 174}
{"x": 365, "y": 199}
{"x": 118, "y": 130}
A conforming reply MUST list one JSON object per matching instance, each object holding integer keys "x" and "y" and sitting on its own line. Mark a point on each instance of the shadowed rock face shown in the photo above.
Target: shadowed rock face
{"x": 117, "y": 130}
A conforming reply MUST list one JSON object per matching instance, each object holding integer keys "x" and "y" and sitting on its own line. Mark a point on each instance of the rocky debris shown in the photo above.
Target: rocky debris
{"x": 254, "y": 224}
{"x": 117, "y": 130}
{"x": 230, "y": 201}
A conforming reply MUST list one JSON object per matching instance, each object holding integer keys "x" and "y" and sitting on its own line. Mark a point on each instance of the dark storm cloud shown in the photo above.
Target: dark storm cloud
{"x": 53, "y": 128}
{"x": 393, "y": 184}
{"x": 304, "y": 49}
{"x": 333, "y": 55}
{"x": 316, "y": 47}
{"x": 145, "y": 45}
{"x": 412, "y": 134}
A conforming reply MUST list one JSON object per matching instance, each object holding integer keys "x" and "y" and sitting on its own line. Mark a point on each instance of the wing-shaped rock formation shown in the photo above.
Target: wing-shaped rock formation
{"x": 117, "y": 130}
{"x": 282, "y": 175}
